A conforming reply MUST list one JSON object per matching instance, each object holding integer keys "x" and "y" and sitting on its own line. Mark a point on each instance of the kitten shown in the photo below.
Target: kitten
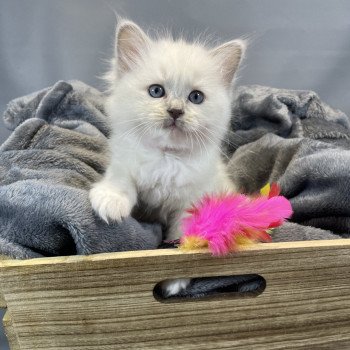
{"x": 169, "y": 105}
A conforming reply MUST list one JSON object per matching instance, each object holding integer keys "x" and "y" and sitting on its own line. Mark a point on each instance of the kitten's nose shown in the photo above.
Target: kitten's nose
{"x": 175, "y": 113}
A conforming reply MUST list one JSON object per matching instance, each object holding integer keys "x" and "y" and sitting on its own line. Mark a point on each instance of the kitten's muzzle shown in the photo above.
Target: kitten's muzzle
{"x": 175, "y": 113}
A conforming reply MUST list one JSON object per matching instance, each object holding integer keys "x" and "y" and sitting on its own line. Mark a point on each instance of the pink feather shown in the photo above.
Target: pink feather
{"x": 221, "y": 219}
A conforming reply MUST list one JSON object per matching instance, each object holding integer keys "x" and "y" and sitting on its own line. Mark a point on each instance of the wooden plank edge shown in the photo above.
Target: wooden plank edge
{"x": 2, "y": 299}
{"x": 280, "y": 246}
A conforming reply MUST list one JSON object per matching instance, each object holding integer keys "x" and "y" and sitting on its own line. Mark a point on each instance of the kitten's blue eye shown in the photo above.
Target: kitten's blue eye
{"x": 156, "y": 91}
{"x": 196, "y": 97}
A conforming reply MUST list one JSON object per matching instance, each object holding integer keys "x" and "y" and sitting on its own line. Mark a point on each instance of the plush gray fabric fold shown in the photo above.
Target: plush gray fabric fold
{"x": 295, "y": 139}
{"x": 57, "y": 149}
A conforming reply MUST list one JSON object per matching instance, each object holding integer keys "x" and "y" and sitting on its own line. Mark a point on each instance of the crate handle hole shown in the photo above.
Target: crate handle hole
{"x": 214, "y": 287}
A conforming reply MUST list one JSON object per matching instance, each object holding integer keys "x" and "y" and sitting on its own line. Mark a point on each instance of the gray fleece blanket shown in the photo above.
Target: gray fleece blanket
{"x": 47, "y": 165}
{"x": 295, "y": 139}
{"x": 58, "y": 149}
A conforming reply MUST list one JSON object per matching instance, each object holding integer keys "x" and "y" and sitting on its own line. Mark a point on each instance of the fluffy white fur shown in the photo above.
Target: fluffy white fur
{"x": 167, "y": 167}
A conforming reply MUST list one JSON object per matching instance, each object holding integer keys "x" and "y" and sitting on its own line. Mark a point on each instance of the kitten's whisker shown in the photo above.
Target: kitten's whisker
{"x": 201, "y": 135}
{"x": 191, "y": 153}
{"x": 196, "y": 140}
{"x": 215, "y": 144}
{"x": 143, "y": 132}
{"x": 207, "y": 137}
{"x": 130, "y": 120}
{"x": 226, "y": 141}
{"x": 132, "y": 131}
{"x": 228, "y": 131}
{"x": 201, "y": 142}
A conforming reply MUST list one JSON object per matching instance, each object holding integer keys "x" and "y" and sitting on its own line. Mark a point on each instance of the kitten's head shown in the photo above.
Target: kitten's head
{"x": 169, "y": 93}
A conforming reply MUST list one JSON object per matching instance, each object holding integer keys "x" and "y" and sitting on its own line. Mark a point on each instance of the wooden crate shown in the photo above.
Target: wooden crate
{"x": 106, "y": 301}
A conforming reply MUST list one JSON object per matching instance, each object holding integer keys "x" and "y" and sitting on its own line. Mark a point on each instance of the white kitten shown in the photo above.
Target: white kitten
{"x": 170, "y": 105}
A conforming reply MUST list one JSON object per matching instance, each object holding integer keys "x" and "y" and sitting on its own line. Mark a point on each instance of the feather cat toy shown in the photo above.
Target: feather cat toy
{"x": 228, "y": 222}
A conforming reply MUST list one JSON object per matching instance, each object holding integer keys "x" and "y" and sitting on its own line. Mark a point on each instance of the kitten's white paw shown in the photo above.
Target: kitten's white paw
{"x": 173, "y": 287}
{"x": 109, "y": 203}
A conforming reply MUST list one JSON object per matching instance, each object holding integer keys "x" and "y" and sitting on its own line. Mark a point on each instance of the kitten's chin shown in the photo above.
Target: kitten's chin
{"x": 175, "y": 133}
{"x": 174, "y": 129}
{"x": 169, "y": 141}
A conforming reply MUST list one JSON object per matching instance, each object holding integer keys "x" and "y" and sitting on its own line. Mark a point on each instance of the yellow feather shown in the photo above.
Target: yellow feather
{"x": 193, "y": 242}
{"x": 265, "y": 190}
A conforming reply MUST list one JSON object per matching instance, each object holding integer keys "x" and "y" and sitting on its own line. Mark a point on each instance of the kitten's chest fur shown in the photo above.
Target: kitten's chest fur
{"x": 164, "y": 178}
{"x": 167, "y": 184}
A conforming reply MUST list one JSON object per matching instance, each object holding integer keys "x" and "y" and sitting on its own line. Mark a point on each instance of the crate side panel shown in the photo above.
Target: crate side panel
{"x": 88, "y": 303}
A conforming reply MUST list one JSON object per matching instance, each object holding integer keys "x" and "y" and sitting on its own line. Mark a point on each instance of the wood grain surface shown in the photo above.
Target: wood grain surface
{"x": 105, "y": 301}
{"x": 10, "y": 332}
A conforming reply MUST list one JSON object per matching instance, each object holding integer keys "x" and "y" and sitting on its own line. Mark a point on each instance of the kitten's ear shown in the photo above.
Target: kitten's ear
{"x": 131, "y": 43}
{"x": 229, "y": 56}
